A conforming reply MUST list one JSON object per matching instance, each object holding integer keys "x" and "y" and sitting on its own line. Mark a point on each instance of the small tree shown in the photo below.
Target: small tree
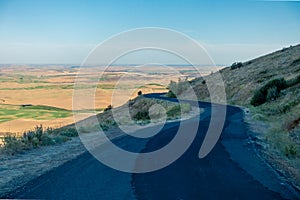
{"x": 269, "y": 91}
{"x": 272, "y": 94}
{"x": 109, "y": 107}
{"x": 236, "y": 65}
{"x": 172, "y": 89}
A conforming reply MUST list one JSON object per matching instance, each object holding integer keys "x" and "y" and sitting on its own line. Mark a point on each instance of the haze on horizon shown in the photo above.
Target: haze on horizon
{"x": 55, "y": 32}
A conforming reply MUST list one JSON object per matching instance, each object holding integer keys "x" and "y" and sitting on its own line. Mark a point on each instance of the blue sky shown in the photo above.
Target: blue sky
{"x": 65, "y": 32}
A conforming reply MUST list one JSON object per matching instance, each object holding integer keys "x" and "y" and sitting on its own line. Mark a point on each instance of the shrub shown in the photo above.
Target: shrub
{"x": 291, "y": 150}
{"x": 109, "y": 107}
{"x": 38, "y": 132}
{"x": 176, "y": 89}
{"x": 141, "y": 116}
{"x": 69, "y": 132}
{"x": 36, "y": 138}
{"x": 60, "y": 139}
{"x": 104, "y": 127}
{"x": 236, "y": 65}
{"x": 13, "y": 145}
{"x": 272, "y": 94}
{"x": 47, "y": 140}
{"x": 260, "y": 96}
{"x": 282, "y": 141}
{"x": 172, "y": 89}
{"x": 176, "y": 110}
{"x": 170, "y": 94}
{"x": 186, "y": 108}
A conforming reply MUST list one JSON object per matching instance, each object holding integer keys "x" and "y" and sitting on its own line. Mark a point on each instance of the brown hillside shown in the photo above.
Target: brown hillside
{"x": 241, "y": 83}
{"x": 276, "y": 122}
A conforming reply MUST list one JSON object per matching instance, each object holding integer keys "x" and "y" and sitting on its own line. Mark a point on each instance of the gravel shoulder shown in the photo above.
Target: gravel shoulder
{"x": 288, "y": 176}
{"x": 17, "y": 170}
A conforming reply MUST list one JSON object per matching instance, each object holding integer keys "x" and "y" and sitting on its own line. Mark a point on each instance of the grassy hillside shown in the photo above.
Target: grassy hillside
{"x": 270, "y": 87}
{"x": 242, "y": 82}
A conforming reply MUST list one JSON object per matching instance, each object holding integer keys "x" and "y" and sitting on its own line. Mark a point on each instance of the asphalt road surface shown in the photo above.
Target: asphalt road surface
{"x": 232, "y": 170}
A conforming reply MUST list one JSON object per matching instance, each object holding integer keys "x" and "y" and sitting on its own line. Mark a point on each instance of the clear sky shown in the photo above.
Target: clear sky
{"x": 66, "y": 31}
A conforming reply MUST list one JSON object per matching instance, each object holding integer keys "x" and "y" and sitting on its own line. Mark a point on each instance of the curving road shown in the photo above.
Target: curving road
{"x": 232, "y": 170}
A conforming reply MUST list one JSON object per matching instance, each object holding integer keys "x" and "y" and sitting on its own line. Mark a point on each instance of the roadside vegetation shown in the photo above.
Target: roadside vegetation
{"x": 177, "y": 88}
{"x": 39, "y": 136}
{"x": 272, "y": 90}
{"x": 270, "y": 87}
{"x": 142, "y": 111}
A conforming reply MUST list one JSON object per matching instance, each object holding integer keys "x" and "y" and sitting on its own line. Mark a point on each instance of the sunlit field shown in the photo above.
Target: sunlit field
{"x": 33, "y": 95}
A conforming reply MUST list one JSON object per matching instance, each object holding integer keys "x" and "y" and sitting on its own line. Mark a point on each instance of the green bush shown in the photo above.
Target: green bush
{"x": 291, "y": 150}
{"x": 141, "y": 116}
{"x": 261, "y": 95}
{"x": 186, "y": 108}
{"x": 236, "y": 65}
{"x": 170, "y": 94}
{"x": 104, "y": 127}
{"x": 69, "y": 132}
{"x": 47, "y": 140}
{"x": 107, "y": 124}
{"x": 282, "y": 141}
{"x": 174, "y": 111}
{"x": 60, "y": 139}
{"x": 272, "y": 94}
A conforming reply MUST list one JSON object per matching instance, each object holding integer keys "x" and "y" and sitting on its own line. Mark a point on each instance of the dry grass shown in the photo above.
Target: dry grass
{"x": 39, "y": 136}
{"x": 281, "y": 114}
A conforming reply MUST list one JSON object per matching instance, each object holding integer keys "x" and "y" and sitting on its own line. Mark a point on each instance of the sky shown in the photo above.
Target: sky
{"x": 65, "y": 32}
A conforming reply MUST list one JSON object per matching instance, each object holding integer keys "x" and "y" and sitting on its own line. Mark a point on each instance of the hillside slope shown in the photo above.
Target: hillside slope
{"x": 276, "y": 119}
{"x": 242, "y": 82}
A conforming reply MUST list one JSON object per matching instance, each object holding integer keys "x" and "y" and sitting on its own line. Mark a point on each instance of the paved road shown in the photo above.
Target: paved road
{"x": 231, "y": 171}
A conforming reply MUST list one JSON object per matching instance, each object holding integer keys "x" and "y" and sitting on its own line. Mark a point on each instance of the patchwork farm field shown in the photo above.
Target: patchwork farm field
{"x": 33, "y": 95}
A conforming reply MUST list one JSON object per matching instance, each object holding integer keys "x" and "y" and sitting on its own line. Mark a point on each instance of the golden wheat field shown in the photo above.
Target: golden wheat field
{"x": 33, "y": 95}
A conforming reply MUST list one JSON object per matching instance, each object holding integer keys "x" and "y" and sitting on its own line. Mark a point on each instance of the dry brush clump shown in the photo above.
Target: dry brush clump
{"x": 281, "y": 141}
{"x": 140, "y": 111}
{"x": 177, "y": 88}
{"x": 282, "y": 115}
{"x": 12, "y": 144}
{"x": 143, "y": 110}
